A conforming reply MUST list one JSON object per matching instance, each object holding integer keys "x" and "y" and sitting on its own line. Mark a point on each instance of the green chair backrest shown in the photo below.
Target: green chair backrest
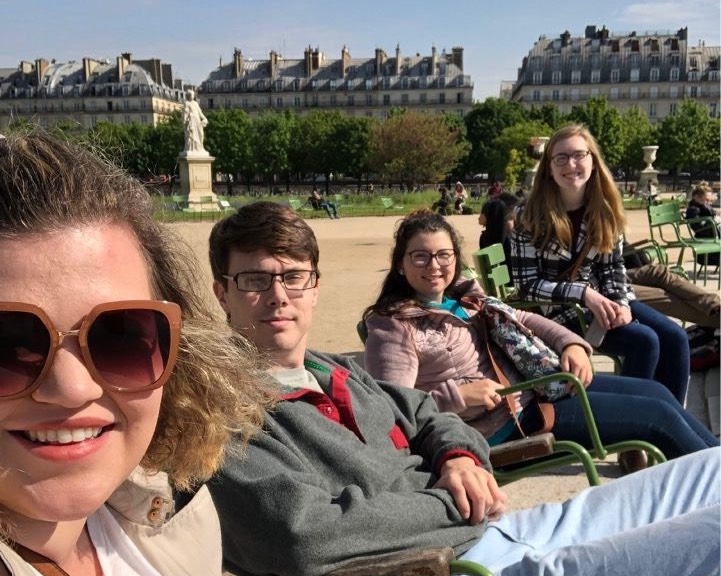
{"x": 493, "y": 271}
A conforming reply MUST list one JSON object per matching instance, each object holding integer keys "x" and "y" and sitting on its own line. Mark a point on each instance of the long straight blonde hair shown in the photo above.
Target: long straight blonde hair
{"x": 544, "y": 216}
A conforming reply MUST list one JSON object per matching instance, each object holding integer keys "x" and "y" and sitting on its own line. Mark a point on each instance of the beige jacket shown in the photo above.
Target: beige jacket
{"x": 186, "y": 543}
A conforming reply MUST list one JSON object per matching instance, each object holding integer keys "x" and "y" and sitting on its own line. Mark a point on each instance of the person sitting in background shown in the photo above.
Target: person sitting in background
{"x": 351, "y": 467}
{"x": 425, "y": 331}
{"x": 498, "y": 217}
{"x": 444, "y": 201}
{"x": 318, "y": 202}
{"x": 701, "y": 205}
{"x": 460, "y": 195}
{"x": 567, "y": 248}
{"x": 114, "y": 384}
{"x": 495, "y": 189}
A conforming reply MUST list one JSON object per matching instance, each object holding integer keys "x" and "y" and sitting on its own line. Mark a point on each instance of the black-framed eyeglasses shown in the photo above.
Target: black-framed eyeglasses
{"x": 563, "y": 158}
{"x": 421, "y": 258}
{"x": 262, "y": 281}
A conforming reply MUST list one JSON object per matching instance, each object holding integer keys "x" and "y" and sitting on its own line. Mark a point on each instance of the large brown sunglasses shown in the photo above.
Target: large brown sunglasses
{"x": 127, "y": 346}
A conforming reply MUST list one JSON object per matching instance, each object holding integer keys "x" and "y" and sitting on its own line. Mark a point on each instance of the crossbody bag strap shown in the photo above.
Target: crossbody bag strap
{"x": 510, "y": 399}
{"x": 41, "y": 563}
{"x": 570, "y": 273}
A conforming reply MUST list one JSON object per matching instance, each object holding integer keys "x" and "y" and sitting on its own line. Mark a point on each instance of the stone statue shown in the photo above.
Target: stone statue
{"x": 194, "y": 121}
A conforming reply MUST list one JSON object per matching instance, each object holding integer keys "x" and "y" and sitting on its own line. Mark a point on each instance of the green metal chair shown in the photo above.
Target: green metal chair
{"x": 525, "y": 458}
{"x": 492, "y": 272}
{"x": 669, "y": 229}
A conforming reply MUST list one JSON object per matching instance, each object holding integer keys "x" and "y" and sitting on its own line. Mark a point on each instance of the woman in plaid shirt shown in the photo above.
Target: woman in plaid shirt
{"x": 567, "y": 249}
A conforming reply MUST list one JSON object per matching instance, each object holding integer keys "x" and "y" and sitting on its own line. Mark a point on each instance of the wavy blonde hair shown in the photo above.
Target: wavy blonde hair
{"x": 544, "y": 216}
{"x": 217, "y": 388}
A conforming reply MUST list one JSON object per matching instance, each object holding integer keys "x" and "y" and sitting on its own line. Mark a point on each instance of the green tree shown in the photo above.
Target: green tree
{"x": 227, "y": 138}
{"x": 689, "y": 139}
{"x": 637, "y": 132}
{"x": 549, "y": 114}
{"x": 516, "y": 139}
{"x": 270, "y": 137}
{"x": 167, "y": 142}
{"x": 351, "y": 138}
{"x": 604, "y": 122}
{"x": 484, "y": 123}
{"x": 414, "y": 147}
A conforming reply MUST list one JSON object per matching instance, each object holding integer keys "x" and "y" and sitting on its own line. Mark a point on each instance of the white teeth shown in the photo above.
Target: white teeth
{"x": 64, "y": 435}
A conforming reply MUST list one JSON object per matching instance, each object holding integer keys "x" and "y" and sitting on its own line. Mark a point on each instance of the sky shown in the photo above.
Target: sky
{"x": 196, "y": 36}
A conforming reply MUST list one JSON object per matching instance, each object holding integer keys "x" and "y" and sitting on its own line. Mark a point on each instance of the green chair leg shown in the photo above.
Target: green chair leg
{"x": 468, "y": 568}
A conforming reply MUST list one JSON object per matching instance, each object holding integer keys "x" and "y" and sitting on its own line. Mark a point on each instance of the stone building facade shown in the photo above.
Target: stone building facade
{"x": 89, "y": 91}
{"x": 363, "y": 87}
{"x": 654, "y": 71}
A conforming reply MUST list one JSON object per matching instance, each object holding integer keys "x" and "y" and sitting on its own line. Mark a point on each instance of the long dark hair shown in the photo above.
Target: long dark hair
{"x": 396, "y": 292}
{"x": 497, "y": 211}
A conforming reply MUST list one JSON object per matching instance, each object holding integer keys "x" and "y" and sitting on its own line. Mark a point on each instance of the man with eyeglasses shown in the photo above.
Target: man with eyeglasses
{"x": 350, "y": 467}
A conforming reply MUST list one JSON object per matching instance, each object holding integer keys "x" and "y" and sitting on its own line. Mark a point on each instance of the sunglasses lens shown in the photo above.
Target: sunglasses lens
{"x": 24, "y": 347}
{"x": 130, "y": 348}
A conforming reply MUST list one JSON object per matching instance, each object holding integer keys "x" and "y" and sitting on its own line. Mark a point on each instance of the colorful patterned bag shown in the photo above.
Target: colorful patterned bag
{"x": 531, "y": 356}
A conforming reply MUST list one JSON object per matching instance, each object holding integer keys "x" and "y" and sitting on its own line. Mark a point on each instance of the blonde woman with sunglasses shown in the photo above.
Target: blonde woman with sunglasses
{"x": 116, "y": 386}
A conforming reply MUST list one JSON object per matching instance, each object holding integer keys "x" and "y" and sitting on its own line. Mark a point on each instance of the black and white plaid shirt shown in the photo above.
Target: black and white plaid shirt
{"x": 535, "y": 272}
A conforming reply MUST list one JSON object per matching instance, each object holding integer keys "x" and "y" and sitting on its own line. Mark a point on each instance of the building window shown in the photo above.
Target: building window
{"x": 575, "y": 76}
{"x": 556, "y": 77}
{"x": 653, "y": 92}
{"x": 143, "y": 119}
{"x": 713, "y": 109}
{"x": 673, "y": 75}
{"x": 635, "y": 75}
{"x": 536, "y": 96}
{"x": 555, "y": 62}
{"x": 314, "y": 100}
{"x": 693, "y": 76}
{"x": 653, "y": 75}
{"x": 296, "y": 101}
{"x": 369, "y": 84}
{"x": 615, "y": 75}
{"x": 386, "y": 99}
{"x": 333, "y": 100}
{"x": 672, "y": 108}
{"x": 369, "y": 100}
{"x": 296, "y": 85}
{"x": 652, "y": 110}
{"x": 595, "y": 76}
{"x": 128, "y": 120}
{"x": 673, "y": 92}
{"x": 423, "y": 97}
{"x": 442, "y": 82}
{"x": 556, "y": 95}
{"x": 634, "y": 60}
{"x": 713, "y": 75}
{"x": 442, "y": 98}
{"x": 575, "y": 94}
{"x": 575, "y": 62}
{"x": 333, "y": 85}
{"x": 595, "y": 92}
{"x": 595, "y": 60}
{"x": 693, "y": 91}
{"x": 654, "y": 60}
{"x": 614, "y": 93}
{"x": 404, "y": 98}
{"x": 634, "y": 93}
{"x": 536, "y": 63}
{"x": 538, "y": 78}
{"x": 211, "y": 103}
{"x": 279, "y": 102}
{"x": 675, "y": 60}
{"x": 693, "y": 61}
{"x": 351, "y": 100}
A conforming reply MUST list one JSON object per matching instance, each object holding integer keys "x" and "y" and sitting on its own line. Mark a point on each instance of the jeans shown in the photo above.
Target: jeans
{"x": 629, "y": 408}
{"x": 653, "y": 347}
{"x": 662, "y": 520}
{"x": 330, "y": 208}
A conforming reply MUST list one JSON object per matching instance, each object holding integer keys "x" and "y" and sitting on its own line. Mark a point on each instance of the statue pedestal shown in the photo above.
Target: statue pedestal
{"x": 196, "y": 180}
